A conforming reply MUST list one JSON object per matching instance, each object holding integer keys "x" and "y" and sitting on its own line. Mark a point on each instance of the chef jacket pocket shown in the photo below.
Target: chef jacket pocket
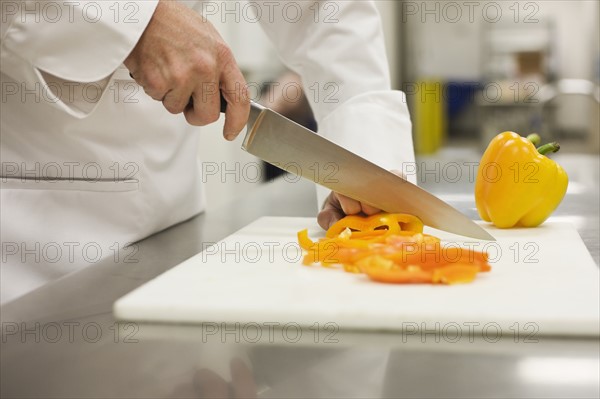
{"x": 18, "y": 183}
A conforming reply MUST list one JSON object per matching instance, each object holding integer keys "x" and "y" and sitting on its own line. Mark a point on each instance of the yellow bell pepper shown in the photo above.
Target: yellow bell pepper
{"x": 516, "y": 184}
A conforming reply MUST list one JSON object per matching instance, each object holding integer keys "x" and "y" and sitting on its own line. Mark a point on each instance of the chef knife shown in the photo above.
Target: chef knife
{"x": 298, "y": 150}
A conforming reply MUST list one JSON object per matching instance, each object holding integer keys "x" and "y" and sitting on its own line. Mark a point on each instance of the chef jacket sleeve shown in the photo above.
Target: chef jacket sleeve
{"x": 48, "y": 43}
{"x": 338, "y": 49}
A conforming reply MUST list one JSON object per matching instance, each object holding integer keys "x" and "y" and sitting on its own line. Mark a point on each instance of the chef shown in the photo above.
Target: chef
{"x": 99, "y": 145}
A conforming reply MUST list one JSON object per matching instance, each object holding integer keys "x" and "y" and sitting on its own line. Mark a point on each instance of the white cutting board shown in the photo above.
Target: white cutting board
{"x": 541, "y": 275}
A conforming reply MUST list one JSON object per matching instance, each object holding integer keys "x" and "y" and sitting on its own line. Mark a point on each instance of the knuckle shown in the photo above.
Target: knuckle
{"x": 161, "y": 89}
{"x": 156, "y": 90}
{"x": 351, "y": 207}
{"x": 179, "y": 79}
{"x": 151, "y": 82}
{"x": 224, "y": 51}
{"x": 203, "y": 64}
{"x": 244, "y": 97}
{"x": 173, "y": 107}
{"x": 174, "y": 103}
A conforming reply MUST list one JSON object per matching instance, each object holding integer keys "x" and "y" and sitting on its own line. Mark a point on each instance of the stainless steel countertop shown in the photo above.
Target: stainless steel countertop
{"x": 61, "y": 341}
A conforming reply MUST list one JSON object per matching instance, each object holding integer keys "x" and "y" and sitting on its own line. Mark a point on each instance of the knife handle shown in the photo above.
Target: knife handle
{"x": 223, "y": 102}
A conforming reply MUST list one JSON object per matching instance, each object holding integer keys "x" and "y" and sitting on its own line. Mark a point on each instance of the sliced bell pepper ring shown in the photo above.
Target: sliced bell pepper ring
{"x": 322, "y": 252}
{"x": 309, "y": 259}
{"x": 409, "y": 222}
{"x": 430, "y": 256}
{"x": 411, "y": 237}
{"x": 352, "y": 269}
{"x": 384, "y": 270}
{"x": 375, "y": 268}
{"x": 305, "y": 242}
{"x": 348, "y": 242}
{"x": 381, "y": 247}
{"x": 363, "y": 235}
{"x": 393, "y": 222}
{"x": 455, "y": 274}
{"x": 400, "y": 276}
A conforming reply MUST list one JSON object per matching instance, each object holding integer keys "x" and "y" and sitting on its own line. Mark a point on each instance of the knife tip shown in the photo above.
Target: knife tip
{"x": 484, "y": 235}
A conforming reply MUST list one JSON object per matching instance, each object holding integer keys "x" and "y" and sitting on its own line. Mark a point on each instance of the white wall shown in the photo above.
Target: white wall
{"x": 451, "y": 50}
{"x": 577, "y": 49}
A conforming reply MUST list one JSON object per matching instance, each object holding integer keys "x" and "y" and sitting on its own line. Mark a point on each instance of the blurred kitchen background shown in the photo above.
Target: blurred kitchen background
{"x": 470, "y": 70}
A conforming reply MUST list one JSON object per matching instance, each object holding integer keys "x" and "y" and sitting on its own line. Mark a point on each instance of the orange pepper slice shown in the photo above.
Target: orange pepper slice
{"x": 455, "y": 274}
{"x": 305, "y": 242}
{"x": 394, "y": 222}
{"x": 383, "y": 270}
{"x": 383, "y": 248}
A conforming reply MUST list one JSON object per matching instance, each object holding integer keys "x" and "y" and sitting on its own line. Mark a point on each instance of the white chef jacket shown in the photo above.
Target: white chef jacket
{"x": 91, "y": 164}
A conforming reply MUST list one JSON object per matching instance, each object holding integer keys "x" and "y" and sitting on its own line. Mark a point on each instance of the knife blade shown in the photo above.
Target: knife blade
{"x": 298, "y": 150}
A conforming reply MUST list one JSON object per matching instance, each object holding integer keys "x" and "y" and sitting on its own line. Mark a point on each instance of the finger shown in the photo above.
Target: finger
{"x": 368, "y": 209}
{"x": 327, "y": 217}
{"x": 331, "y": 212}
{"x": 205, "y": 106}
{"x": 244, "y": 385}
{"x": 155, "y": 94}
{"x": 177, "y": 100}
{"x": 153, "y": 83}
{"x": 234, "y": 89}
{"x": 349, "y": 205}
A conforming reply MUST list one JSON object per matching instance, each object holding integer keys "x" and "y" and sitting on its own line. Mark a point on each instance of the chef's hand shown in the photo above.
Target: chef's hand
{"x": 181, "y": 56}
{"x": 337, "y": 206}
